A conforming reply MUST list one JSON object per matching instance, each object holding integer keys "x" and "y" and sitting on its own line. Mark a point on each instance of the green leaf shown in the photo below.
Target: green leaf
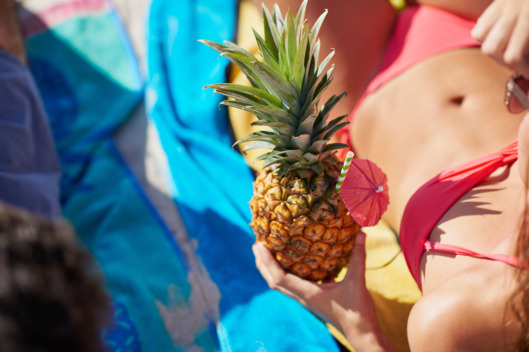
{"x": 233, "y": 48}
{"x": 279, "y": 114}
{"x": 240, "y": 97}
{"x": 288, "y": 154}
{"x": 235, "y": 104}
{"x": 239, "y": 59}
{"x": 324, "y": 63}
{"x": 332, "y": 101}
{"x": 272, "y": 36}
{"x": 334, "y": 146}
{"x": 259, "y": 93}
{"x": 300, "y": 17}
{"x": 310, "y": 76}
{"x": 210, "y": 43}
{"x": 311, "y": 109}
{"x": 269, "y": 159}
{"x": 318, "y": 146}
{"x": 263, "y": 156}
{"x": 228, "y": 49}
{"x": 287, "y": 158}
{"x": 259, "y": 145}
{"x": 306, "y": 160}
{"x": 325, "y": 110}
{"x": 307, "y": 126}
{"x": 260, "y": 137}
{"x": 317, "y": 168}
{"x": 291, "y": 44}
{"x": 316, "y": 29}
{"x": 322, "y": 85}
{"x": 335, "y": 129}
{"x": 278, "y": 86}
{"x": 298, "y": 67}
{"x": 278, "y": 19}
{"x": 284, "y": 62}
{"x": 301, "y": 142}
{"x": 269, "y": 57}
{"x": 310, "y": 158}
{"x": 329, "y": 126}
{"x": 280, "y": 127}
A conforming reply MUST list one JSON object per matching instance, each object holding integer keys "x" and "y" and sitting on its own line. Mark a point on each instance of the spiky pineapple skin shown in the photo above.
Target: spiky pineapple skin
{"x": 303, "y": 221}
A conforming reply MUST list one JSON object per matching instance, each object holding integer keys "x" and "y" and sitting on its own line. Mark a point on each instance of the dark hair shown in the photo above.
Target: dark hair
{"x": 52, "y": 296}
{"x": 520, "y": 297}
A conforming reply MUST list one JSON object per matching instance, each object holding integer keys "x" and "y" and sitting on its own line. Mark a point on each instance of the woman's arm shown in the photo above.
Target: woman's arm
{"x": 346, "y": 305}
{"x": 469, "y": 312}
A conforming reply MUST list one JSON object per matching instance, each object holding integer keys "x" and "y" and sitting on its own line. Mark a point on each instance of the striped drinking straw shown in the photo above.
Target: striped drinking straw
{"x": 345, "y": 168}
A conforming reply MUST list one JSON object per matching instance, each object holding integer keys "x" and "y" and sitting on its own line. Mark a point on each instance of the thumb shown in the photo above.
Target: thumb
{"x": 357, "y": 261}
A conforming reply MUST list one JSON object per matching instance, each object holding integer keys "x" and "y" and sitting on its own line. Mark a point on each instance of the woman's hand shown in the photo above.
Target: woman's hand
{"x": 347, "y": 304}
{"x": 503, "y": 30}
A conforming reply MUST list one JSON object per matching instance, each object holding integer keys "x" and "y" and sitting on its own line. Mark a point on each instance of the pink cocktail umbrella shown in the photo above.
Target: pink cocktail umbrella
{"x": 365, "y": 192}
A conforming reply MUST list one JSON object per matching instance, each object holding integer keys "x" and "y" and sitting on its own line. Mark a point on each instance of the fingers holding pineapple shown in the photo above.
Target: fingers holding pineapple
{"x": 301, "y": 289}
{"x": 322, "y": 299}
{"x": 347, "y": 304}
{"x": 276, "y": 277}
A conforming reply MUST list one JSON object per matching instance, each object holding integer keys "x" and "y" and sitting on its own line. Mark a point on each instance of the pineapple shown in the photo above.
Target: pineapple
{"x": 296, "y": 210}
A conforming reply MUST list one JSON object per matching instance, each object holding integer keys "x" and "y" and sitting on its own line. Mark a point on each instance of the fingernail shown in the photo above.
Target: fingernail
{"x": 475, "y": 33}
{"x": 257, "y": 247}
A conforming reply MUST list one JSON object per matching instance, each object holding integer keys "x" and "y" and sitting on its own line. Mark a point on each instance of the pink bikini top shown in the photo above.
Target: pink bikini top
{"x": 430, "y": 202}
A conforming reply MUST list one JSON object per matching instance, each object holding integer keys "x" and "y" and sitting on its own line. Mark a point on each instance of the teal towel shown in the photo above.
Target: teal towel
{"x": 165, "y": 299}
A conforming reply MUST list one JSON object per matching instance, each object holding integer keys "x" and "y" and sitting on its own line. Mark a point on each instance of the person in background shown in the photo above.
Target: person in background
{"x": 52, "y": 296}
{"x": 52, "y": 293}
{"x": 29, "y": 165}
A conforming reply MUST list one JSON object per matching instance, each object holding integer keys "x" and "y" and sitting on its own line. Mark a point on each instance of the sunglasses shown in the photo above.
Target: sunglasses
{"x": 516, "y": 94}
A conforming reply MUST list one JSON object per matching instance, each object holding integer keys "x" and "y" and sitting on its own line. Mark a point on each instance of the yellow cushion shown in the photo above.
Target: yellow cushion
{"x": 398, "y": 4}
{"x": 249, "y": 17}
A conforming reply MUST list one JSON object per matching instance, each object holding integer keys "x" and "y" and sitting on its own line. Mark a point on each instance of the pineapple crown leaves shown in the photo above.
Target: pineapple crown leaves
{"x": 285, "y": 92}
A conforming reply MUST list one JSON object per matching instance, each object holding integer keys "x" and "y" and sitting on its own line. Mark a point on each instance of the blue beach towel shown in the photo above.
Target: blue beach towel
{"x": 198, "y": 289}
